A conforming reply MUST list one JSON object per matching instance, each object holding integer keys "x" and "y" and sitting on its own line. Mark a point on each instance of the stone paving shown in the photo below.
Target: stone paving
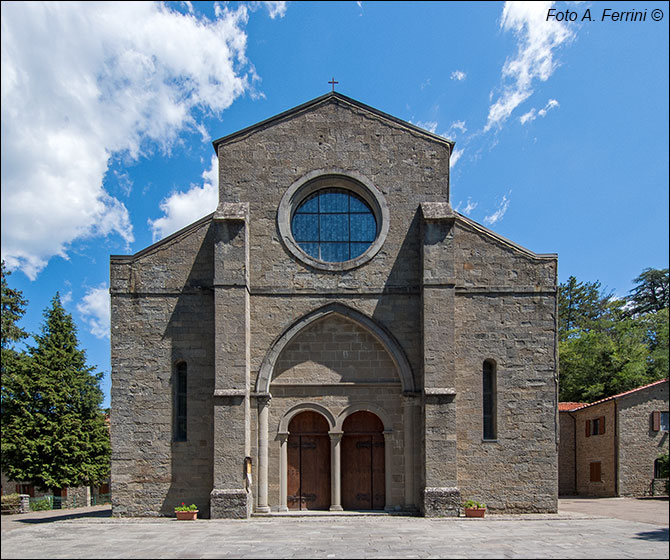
{"x": 567, "y": 534}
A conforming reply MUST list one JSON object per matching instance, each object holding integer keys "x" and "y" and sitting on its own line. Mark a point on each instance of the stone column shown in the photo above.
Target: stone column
{"x": 409, "y": 404}
{"x": 388, "y": 479}
{"x": 283, "y": 471}
{"x": 263, "y": 402}
{"x": 232, "y": 415}
{"x": 335, "y": 471}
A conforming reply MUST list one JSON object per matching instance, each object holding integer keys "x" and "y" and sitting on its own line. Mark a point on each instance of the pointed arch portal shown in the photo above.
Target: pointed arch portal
{"x": 384, "y": 338}
{"x": 331, "y": 460}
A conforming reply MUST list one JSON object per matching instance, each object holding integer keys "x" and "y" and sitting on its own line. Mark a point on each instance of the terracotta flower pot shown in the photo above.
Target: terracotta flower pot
{"x": 475, "y": 512}
{"x": 187, "y": 515}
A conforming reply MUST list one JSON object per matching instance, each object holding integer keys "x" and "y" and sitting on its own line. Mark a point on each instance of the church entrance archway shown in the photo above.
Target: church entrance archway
{"x": 363, "y": 458}
{"x": 308, "y": 477}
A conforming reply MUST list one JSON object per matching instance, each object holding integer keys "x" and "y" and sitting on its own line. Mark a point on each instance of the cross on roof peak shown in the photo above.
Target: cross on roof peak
{"x": 333, "y": 82}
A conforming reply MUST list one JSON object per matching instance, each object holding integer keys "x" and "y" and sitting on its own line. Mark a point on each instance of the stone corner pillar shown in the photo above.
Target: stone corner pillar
{"x": 440, "y": 495}
{"x": 231, "y": 495}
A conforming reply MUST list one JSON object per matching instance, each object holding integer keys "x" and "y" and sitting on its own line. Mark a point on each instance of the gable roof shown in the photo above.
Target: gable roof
{"x": 332, "y": 97}
{"x": 582, "y": 406}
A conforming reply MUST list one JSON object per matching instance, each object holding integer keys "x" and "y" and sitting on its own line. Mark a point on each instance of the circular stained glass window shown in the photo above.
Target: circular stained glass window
{"x": 334, "y": 225}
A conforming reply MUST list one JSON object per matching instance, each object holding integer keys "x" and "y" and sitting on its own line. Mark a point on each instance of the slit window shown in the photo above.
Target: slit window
{"x": 489, "y": 404}
{"x": 180, "y": 402}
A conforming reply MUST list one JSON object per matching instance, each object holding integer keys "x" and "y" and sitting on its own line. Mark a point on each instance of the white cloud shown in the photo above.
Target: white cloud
{"x": 538, "y": 40}
{"x": 528, "y": 117}
{"x": 84, "y": 81}
{"x": 533, "y": 114}
{"x": 95, "y": 309}
{"x": 458, "y": 75}
{"x": 274, "y": 8}
{"x": 458, "y": 125}
{"x": 183, "y": 208}
{"x": 455, "y": 156}
{"x": 499, "y": 213}
{"x": 469, "y": 207}
{"x": 430, "y": 126}
{"x": 66, "y": 298}
{"x": 551, "y": 104}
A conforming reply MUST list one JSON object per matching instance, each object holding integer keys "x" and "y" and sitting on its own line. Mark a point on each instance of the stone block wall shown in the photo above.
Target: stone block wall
{"x": 518, "y": 470}
{"x": 639, "y": 444}
{"x": 504, "y": 311}
{"x": 405, "y": 166}
{"x": 162, "y": 313}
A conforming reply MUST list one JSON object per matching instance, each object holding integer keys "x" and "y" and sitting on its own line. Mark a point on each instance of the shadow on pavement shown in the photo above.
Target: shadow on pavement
{"x": 64, "y": 516}
{"x": 655, "y": 535}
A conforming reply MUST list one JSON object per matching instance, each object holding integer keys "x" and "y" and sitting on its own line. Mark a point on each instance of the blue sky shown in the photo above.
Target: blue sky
{"x": 109, "y": 111}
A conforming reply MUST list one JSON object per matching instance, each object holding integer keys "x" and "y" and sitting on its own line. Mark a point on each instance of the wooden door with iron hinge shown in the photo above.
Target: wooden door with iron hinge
{"x": 308, "y": 477}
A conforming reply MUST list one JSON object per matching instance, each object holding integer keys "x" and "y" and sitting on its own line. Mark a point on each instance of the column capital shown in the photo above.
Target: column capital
{"x": 262, "y": 399}
{"x": 335, "y": 436}
{"x": 282, "y": 437}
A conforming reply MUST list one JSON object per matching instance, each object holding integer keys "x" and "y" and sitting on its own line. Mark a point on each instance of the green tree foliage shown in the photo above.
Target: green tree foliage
{"x": 53, "y": 431}
{"x": 609, "y": 345}
{"x": 581, "y": 307}
{"x": 13, "y": 308}
{"x": 650, "y": 292}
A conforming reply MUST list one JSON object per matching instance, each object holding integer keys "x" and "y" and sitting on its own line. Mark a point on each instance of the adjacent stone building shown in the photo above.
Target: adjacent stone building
{"x": 334, "y": 336}
{"x": 610, "y": 447}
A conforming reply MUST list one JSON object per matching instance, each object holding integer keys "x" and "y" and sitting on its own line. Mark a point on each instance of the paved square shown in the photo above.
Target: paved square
{"x": 568, "y": 534}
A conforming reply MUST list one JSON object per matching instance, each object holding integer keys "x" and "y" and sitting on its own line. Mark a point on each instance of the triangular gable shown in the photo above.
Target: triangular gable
{"x": 332, "y": 97}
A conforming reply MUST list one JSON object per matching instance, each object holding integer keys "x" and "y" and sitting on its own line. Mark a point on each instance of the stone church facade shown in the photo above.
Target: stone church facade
{"x": 334, "y": 336}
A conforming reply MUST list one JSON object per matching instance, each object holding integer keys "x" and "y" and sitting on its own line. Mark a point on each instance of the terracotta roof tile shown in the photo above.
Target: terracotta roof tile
{"x": 564, "y": 406}
{"x": 623, "y": 394}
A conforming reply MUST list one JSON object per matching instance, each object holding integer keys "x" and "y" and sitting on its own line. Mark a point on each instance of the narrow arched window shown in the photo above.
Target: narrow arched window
{"x": 180, "y": 402}
{"x": 489, "y": 398}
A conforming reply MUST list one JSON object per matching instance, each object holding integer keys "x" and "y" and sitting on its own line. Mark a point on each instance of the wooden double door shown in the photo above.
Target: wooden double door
{"x": 362, "y": 463}
{"x": 363, "y": 457}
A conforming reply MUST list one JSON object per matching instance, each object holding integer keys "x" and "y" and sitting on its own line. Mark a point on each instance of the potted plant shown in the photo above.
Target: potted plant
{"x": 474, "y": 509}
{"x": 186, "y": 513}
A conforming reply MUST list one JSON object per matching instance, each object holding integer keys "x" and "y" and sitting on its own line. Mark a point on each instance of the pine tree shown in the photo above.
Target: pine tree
{"x": 54, "y": 433}
{"x": 651, "y": 292}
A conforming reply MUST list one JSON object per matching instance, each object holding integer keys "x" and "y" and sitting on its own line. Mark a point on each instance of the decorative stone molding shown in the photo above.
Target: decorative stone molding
{"x": 369, "y": 407}
{"x": 232, "y": 211}
{"x": 437, "y": 211}
{"x": 302, "y": 407}
{"x": 230, "y": 393}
